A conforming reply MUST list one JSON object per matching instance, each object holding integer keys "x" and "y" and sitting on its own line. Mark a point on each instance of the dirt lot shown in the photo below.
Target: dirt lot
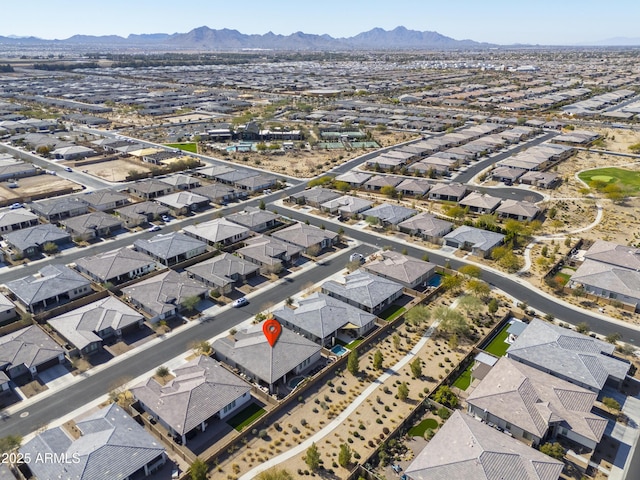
{"x": 115, "y": 170}
{"x": 39, "y": 186}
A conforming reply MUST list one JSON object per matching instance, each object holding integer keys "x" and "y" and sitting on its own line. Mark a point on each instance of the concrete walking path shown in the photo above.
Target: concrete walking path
{"x": 336, "y": 422}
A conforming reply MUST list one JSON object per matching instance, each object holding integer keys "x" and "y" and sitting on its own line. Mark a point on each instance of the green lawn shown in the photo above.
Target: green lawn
{"x": 626, "y": 178}
{"x": 464, "y": 380}
{"x": 187, "y": 147}
{"x": 354, "y": 344}
{"x": 423, "y": 426}
{"x": 393, "y": 312}
{"x": 498, "y": 346}
{"x": 246, "y": 416}
{"x": 563, "y": 277}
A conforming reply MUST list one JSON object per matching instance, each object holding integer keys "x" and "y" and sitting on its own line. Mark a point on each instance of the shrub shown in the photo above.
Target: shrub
{"x": 443, "y": 413}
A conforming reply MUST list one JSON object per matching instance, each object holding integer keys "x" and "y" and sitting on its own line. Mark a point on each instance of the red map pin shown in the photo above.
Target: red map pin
{"x": 272, "y": 330}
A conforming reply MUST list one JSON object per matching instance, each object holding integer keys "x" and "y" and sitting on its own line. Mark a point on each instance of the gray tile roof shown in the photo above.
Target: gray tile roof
{"x": 51, "y": 280}
{"x": 36, "y": 236}
{"x": 163, "y": 292}
{"x": 449, "y": 189}
{"x": 150, "y": 186}
{"x": 464, "y": 448}
{"x": 28, "y": 346}
{"x": 614, "y": 254}
{"x": 418, "y": 186}
{"x": 383, "y": 181}
{"x": 480, "y": 200}
{"x": 426, "y": 224}
{"x": 104, "y": 197}
{"x": 112, "y": 445}
{"x": 363, "y": 288}
{"x": 200, "y": 389}
{"x": 353, "y": 177}
{"x": 347, "y": 204}
{"x": 220, "y": 270}
{"x": 268, "y": 250}
{"x": 516, "y": 207}
{"x": 317, "y": 195}
{"x": 142, "y": 209}
{"x": 404, "y": 269}
{"x": 482, "y": 239}
{"x": 322, "y": 315}
{"x": 389, "y": 213}
{"x": 79, "y": 326}
{"x": 169, "y": 245}
{"x": 250, "y": 350}
{"x": 568, "y": 354}
{"x": 114, "y": 263}
{"x": 304, "y": 235}
{"x": 217, "y": 230}
{"x": 608, "y": 278}
{"x": 13, "y": 217}
{"x": 215, "y": 191}
{"x": 92, "y": 221}
{"x": 532, "y": 400}
{"x": 182, "y": 199}
{"x": 253, "y": 217}
{"x": 57, "y": 206}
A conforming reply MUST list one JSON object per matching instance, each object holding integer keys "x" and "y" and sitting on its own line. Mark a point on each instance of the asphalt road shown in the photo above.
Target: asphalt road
{"x": 515, "y": 287}
{"x": 87, "y": 390}
{"x": 477, "y": 167}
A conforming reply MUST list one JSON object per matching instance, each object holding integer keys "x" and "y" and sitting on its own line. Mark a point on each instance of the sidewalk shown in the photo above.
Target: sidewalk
{"x": 63, "y": 382}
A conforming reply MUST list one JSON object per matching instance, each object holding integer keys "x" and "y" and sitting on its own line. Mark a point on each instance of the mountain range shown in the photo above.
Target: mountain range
{"x": 207, "y": 39}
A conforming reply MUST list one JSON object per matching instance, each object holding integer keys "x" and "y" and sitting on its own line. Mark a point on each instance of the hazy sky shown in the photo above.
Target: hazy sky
{"x": 547, "y": 22}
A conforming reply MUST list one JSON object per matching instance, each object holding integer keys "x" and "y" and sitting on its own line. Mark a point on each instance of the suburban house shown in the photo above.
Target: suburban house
{"x": 541, "y": 179}
{"x": 180, "y": 181}
{"x": 480, "y": 242}
{"x": 311, "y": 239}
{"x": 53, "y": 284}
{"x": 518, "y": 210}
{"x": 7, "y": 309}
{"x": 105, "y": 200}
{"x": 314, "y": 196}
{"x": 161, "y": 296}
{"x": 31, "y": 241}
{"x": 417, "y": 187}
{"x": 56, "y": 209}
{"x": 110, "y": 442}
{"x": 408, "y": 271}
{"x": 464, "y": 448}
{"x": 365, "y": 291}
{"x": 116, "y": 266}
{"x": 353, "y": 178}
{"x": 28, "y": 351}
{"x": 507, "y": 175}
{"x": 170, "y": 248}
{"x": 141, "y": 213}
{"x": 535, "y": 406}
{"x": 218, "y": 232}
{"x": 480, "y": 203}
{"x": 150, "y": 188}
{"x": 449, "y": 192}
{"x": 426, "y": 226}
{"x": 255, "y": 219}
{"x": 611, "y": 271}
{"x": 270, "y": 253}
{"x": 11, "y": 220}
{"x": 181, "y": 203}
{"x": 389, "y": 214}
{"x": 202, "y": 392}
{"x": 255, "y": 183}
{"x": 86, "y": 328}
{"x": 223, "y": 272}
{"x": 92, "y": 225}
{"x": 347, "y": 206}
{"x": 569, "y": 355}
{"x": 72, "y": 152}
{"x": 321, "y": 318}
{"x": 377, "y": 182}
{"x": 217, "y": 193}
{"x": 250, "y": 353}
{"x": 213, "y": 171}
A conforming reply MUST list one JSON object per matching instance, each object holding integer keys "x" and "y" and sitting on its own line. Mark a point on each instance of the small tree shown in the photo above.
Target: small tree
{"x": 10, "y": 443}
{"x": 190, "y": 303}
{"x": 613, "y": 337}
{"x": 611, "y": 403}
{"x": 162, "y": 371}
{"x": 50, "y": 248}
{"x": 202, "y": 347}
{"x": 418, "y": 315}
{"x": 312, "y": 458}
{"x": 446, "y": 397}
{"x": 344, "y": 457}
{"x": 198, "y": 469}
{"x": 397, "y": 343}
{"x": 453, "y": 341}
{"x": 470, "y": 271}
{"x": 313, "y": 250}
{"x": 583, "y": 327}
{"x": 262, "y": 205}
{"x": 403, "y": 391}
{"x": 389, "y": 191}
{"x": 377, "y": 360}
{"x": 353, "y": 362}
{"x": 493, "y": 306}
{"x": 372, "y": 221}
{"x": 554, "y": 450}
{"x": 416, "y": 368}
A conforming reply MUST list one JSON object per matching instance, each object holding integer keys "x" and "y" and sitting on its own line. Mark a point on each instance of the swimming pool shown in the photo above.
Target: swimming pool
{"x": 339, "y": 350}
{"x": 435, "y": 280}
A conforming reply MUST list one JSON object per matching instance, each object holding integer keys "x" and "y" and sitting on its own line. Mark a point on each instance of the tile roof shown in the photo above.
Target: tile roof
{"x": 114, "y": 263}
{"x": 363, "y": 288}
{"x": 220, "y": 270}
{"x": 51, "y": 280}
{"x": 304, "y": 235}
{"x": 28, "y": 346}
{"x": 169, "y": 245}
